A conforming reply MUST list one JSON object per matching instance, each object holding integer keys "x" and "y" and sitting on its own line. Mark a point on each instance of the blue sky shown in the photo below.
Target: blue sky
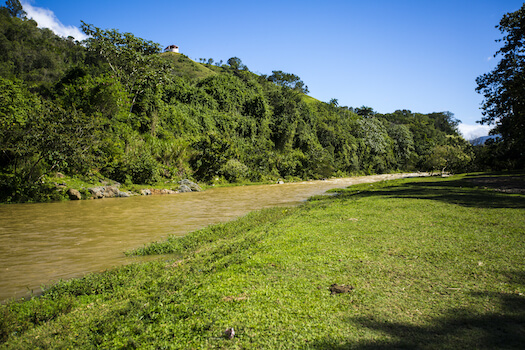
{"x": 399, "y": 54}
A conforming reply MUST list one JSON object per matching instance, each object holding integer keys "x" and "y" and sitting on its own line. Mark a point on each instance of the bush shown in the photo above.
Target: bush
{"x": 234, "y": 170}
{"x": 140, "y": 169}
{"x": 15, "y": 190}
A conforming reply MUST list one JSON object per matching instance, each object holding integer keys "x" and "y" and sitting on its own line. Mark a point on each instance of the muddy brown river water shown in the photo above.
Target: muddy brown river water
{"x": 45, "y": 242}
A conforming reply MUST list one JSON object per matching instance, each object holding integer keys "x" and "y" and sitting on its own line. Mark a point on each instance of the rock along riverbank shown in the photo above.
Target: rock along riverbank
{"x": 112, "y": 191}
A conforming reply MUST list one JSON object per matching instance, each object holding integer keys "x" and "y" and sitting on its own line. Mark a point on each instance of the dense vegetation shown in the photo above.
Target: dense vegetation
{"x": 434, "y": 263}
{"x": 504, "y": 96}
{"x": 114, "y": 106}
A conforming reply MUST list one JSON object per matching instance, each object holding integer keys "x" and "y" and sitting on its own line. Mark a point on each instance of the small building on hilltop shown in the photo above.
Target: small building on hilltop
{"x": 172, "y": 48}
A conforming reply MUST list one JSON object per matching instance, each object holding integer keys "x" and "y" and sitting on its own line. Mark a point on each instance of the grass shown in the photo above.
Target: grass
{"x": 186, "y": 67}
{"x": 435, "y": 263}
{"x": 309, "y": 99}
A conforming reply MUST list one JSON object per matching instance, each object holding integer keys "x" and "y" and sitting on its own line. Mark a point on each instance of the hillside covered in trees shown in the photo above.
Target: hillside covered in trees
{"x": 115, "y": 106}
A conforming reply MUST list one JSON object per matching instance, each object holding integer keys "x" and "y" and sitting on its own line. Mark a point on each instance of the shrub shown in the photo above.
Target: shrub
{"x": 140, "y": 168}
{"x": 234, "y": 170}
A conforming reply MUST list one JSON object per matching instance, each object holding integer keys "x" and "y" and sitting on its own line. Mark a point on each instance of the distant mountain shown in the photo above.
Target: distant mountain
{"x": 480, "y": 141}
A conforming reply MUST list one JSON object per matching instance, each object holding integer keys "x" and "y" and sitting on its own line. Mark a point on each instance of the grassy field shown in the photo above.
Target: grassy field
{"x": 427, "y": 263}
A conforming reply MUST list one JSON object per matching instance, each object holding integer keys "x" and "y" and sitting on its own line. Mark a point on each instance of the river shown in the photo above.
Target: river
{"x": 42, "y": 243}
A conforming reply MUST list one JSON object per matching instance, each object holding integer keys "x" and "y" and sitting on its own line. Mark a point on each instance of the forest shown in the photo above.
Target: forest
{"x": 115, "y": 106}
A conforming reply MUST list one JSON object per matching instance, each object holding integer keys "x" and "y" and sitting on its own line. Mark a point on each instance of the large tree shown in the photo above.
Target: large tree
{"x": 133, "y": 60}
{"x": 504, "y": 88}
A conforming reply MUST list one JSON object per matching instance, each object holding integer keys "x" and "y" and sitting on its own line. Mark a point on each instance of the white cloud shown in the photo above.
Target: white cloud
{"x": 472, "y": 131}
{"x": 47, "y": 19}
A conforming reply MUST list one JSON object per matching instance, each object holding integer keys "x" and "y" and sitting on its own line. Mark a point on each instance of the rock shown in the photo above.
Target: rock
{"x": 145, "y": 192}
{"x": 111, "y": 191}
{"x": 229, "y": 333}
{"x": 337, "y": 289}
{"x": 96, "y": 192}
{"x": 74, "y": 195}
{"x": 123, "y": 194}
{"x": 192, "y": 185}
{"x": 280, "y": 182}
{"x": 184, "y": 188}
{"x": 163, "y": 191}
{"x": 104, "y": 191}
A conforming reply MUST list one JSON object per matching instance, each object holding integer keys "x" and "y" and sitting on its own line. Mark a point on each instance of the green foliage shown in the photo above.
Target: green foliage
{"x": 234, "y": 171}
{"x": 288, "y": 80}
{"x": 14, "y": 190}
{"x": 139, "y": 168}
{"x": 365, "y": 111}
{"x": 32, "y": 54}
{"x": 172, "y": 156}
{"x": 38, "y": 137}
{"x": 212, "y": 152}
{"x": 16, "y": 105}
{"x": 15, "y": 8}
{"x": 493, "y": 155}
{"x": 134, "y": 61}
{"x": 403, "y": 143}
{"x": 228, "y": 90}
{"x": 118, "y": 106}
{"x": 503, "y": 89}
{"x": 454, "y": 156}
{"x": 136, "y": 165}
{"x": 102, "y": 95}
{"x": 235, "y": 63}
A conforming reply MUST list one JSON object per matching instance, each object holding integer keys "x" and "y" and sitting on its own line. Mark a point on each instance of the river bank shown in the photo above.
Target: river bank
{"x": 417, "y": 263}
{"x": 41, "y": 243}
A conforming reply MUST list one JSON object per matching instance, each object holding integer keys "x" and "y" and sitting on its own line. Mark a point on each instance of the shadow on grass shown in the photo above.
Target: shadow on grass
{"x": 457, "y": 329}
{"x": 464, "y": 192}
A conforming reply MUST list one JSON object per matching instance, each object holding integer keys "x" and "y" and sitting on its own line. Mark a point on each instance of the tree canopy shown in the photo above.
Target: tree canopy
{"x": 288, "y": 80}
{"x": 503, "y": 89}
{"x": 114, "y": 106}
{"x": 15, "y": 8}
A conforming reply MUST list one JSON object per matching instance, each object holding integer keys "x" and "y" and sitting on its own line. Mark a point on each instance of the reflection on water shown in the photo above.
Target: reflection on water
{"x": 46, "y": 242}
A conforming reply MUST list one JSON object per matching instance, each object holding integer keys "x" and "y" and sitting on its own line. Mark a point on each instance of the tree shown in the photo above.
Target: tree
{"x": 212, "y": 151}
{"x": 133, "y": 60}
{"x": 504, "y": 88}
{"x": 288, "y": 80}
{"x": 447, "y": 157}
{"x": 403, "y": 143}
{"x": 38, "y": 137}
{"x": 365, "y": 111}
{"x": 445, "y": 122}
{"x": 34, "y": 54}
{"x": 235, "y": 62}
{"x": 15, "y": 8}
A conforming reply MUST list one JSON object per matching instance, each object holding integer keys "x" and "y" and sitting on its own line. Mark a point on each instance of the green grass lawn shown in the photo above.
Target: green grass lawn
{"x": 434, "y": 263}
